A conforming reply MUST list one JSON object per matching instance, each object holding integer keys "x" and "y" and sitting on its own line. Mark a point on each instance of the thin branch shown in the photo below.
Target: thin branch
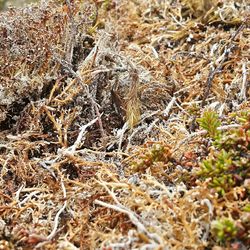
{"x": 244, "y": 83}
{"x": 120, "y": 135}
{"x": 78, "y": 78}
{"x": 56, "y": 221}
{"x": 71, "y": 33}
{"x": 169, "y": 107}
{"x": 204, "y": 132}
{"x": 80, "y": 137}
{"x": 215, "y": 70}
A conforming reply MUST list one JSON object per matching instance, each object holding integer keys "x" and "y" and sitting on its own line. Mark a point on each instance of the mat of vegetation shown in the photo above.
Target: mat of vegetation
{"x": 125, "y": 125}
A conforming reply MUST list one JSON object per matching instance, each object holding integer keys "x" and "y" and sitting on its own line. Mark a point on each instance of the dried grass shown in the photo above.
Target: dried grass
{"x": 99, "y": 144}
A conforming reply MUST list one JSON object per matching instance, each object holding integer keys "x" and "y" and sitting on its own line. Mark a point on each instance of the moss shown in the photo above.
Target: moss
{"x": 224, "y": 230}
{"x": 229, "y": 164}
{"x": 210, "y": 122}
{"x": 156, "y": 153}
{"x": 228, "y": 167}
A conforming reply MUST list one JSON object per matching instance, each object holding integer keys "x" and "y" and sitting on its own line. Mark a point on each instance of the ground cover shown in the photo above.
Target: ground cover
{"x": 125, "y": 125}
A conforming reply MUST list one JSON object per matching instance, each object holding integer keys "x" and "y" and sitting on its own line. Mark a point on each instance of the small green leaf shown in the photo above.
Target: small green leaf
{"x": 210, "y": 122}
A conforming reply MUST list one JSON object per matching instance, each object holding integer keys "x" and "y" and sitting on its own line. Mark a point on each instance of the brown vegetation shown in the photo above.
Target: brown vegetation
{"x": 125, "y": 125}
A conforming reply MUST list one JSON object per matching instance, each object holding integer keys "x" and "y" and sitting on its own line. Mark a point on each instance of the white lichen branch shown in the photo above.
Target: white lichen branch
{"x": 244, "y": 83}
{"x": 56, "y": 221}
{"x": 80, "y": 139}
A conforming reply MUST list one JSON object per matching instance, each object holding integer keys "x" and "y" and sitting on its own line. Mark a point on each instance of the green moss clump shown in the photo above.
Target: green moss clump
{"x": 228, "y": 168}
{"x": 210, "y": 122}
{"x": 229, "y": 164}
{"x": 157, "y": 153}
{"x": 224, "y": 229}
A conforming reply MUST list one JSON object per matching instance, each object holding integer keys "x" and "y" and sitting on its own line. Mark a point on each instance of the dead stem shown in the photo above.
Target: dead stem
{"x": 56, "y": 220}
{"x": 215, "y": 69}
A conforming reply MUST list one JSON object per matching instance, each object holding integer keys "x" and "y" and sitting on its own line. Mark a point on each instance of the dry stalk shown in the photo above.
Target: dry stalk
{"x": 215, "y": 69}
{"x": 80, "y": 138}
{"x": 204, "y": 132}
{"x": 243, "y": 89}
{"x": 56, "y": 220}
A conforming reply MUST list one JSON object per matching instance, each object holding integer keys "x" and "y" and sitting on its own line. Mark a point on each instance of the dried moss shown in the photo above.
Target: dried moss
{"x": 100, "y": 145}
